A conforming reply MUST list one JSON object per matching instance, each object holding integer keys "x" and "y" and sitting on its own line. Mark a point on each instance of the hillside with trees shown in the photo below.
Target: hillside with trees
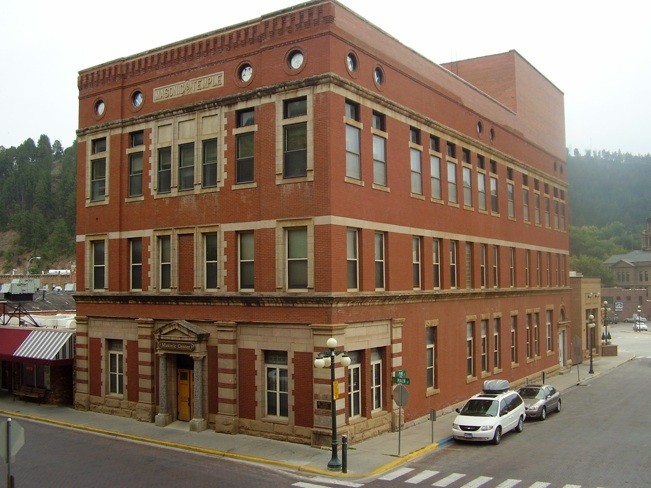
{"x": 609, "y": 202}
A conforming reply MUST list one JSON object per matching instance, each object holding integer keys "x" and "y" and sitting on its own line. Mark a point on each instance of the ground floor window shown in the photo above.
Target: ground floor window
{"x": 277, "y": 385}
{"x": 355, "y": 386}
{"x": 36, "y": 375}
{"x": 116, "y": 367}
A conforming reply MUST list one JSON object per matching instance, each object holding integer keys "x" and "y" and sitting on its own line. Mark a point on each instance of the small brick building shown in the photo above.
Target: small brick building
{"x": 247, "y": 194}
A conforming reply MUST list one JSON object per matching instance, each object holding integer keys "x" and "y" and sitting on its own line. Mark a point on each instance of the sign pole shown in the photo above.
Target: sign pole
{"x": 399, "y": 427}
{"x": 9, "y": 453}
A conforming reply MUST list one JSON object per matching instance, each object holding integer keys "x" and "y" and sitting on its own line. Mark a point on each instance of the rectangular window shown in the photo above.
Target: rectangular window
{"x": 98, "y": 249}
{"x": 98, "y": 145}
{"x": 415, "y": 262}
{"x": 379, "y": 160}
{"x": 376, "y": 380}
{"x": 454, "y": 272}
{"x": 435, "y": 143}
{"x": 435, "y": 169}
{"x": 536, "y": 334}
{"x": 378, "y": 121}
{"x": 527, "y": 268}
{"x": 277, "y": 383}
{"x": 246, "y": 256}
{"x": 164, "y": 170}
{"x": 470, "y": 349}
{"x": 512, "y": 267}
{"x": 484, "y": 345}
{"x": 165, "y": 262}
{"x": 497, "y": 343}
{"x": 414, "y": 135}
{"x": 436, "y": 261}
{"x": 550, "y": 337}
{"x": 467, "y": 186}
{"x": 451, "y": 150}
{"x": 496, "y": 266}
{"x": 244, "y": 163}
{"x": 379, "y": 261}
{"x": 430, "y": 354}
{"x": 529, "y": 337}
{"x": 296, "y": 248}
{"x": 209, "y": 164}
{"x": 135, "y": 174}
{"x": 525, "y": 205}
{"x": 495, "y": 204}
{"x": 295, "y": 139}
{"x": 352, "y": 266}
{"x": 483, "y": 266}
{"x": 353, "y": 158}
{"x": 115, "y": 367}
{"x": 539, "y": 268}
{"x": 481, "y": 191}
{"x": 211, "y": 252}
{"x": 510, "y": 193}
{"x": 98, "y": 179}
{"x": 452, "y": 183}
{"x": 536, "y": 208}
{"x": 469, "y": 264}
{"x": 135, "y": 252}
{"x": 416, "y": 172}
{"x": 354, "y": 386}
{"x": 136, "y": 138}
{"x": 186, "y": 166}
{"x": 514, "y": 339}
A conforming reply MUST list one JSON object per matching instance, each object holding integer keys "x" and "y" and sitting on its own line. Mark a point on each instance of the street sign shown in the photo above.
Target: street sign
{"x": 12, "y": 430}
{"x": 400, "y": 395}
{"x": 401, "y": 373}
{"x": 402, "y": 381}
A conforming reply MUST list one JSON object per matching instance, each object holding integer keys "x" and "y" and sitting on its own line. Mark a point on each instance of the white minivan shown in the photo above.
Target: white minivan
{"x": 490, "y": 414}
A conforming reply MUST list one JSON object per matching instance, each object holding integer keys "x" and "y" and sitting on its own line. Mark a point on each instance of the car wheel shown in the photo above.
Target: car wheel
{"x": 558, "y": 406}
{"x": 520, "y": 426}
{"x": 543, "y": 413}
{"x": 498, "y": 435}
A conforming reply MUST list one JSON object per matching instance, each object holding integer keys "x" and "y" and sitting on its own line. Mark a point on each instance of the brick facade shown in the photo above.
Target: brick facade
{"x": 262, "y": 215}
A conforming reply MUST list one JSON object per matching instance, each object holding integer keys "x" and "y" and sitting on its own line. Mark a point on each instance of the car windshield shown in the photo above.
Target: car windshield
{"x": 537, "y": 393}
{"x": 480, "y": 408}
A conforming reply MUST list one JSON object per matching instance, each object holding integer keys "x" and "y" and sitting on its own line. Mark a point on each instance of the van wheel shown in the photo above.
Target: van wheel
{"x": 520, "y": 426}
{"x": 498, "y": 436}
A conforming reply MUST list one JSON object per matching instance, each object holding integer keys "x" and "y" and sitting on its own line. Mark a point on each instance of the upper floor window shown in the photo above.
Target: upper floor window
{"x": 209, "y": 164}
{"x": 211, "y": 265}
{"x": 379, "y": 261}
{"x": 454, "y": 271}
{"x": 98, "y": 251}
{"x": 245, "y": 146}
{"x": 467, "y": 186}
{"x": 164, "y": 171}
{"x": 416, "y": 171}
{"x": 97, "y": 179}
{"x": 436, "y": 262}
{"x": 295, "y": 138}
{"x": 135, "y": 251}
{"x": 351, "y": 260}
{"x": 186, "y": 166}
{"x": 452, "y": 182}
{"x": 297, "y": 257}
{"x": 135, "y": 174}
{"x": 246, "y": 260}
{"x": 435, "y": 172}
{"x": 415, "y": 262}
{"x": 165, "y": 262}
{"x": 136, "y": 138}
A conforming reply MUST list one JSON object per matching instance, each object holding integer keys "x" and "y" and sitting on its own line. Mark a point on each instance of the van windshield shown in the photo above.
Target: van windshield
{"x": 480, "y": 408}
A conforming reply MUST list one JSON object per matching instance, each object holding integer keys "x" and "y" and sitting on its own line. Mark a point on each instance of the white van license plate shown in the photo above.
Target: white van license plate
{"x": 467, "y": 436}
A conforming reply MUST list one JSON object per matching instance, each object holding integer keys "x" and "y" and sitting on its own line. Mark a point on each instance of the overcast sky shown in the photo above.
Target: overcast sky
{"x": 597, "y": 53}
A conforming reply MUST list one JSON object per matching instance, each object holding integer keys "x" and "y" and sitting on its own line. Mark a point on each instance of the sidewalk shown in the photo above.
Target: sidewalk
{"x": 365, "y": 459}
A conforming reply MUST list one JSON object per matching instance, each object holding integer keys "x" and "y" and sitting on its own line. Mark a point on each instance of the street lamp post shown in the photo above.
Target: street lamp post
{"x": 606, "y": 309}
{"x": 327, "y": 360}
{"x": 29, "y": 262}
{"x": 591, "y": 326}
{"x": 638, "y": 320}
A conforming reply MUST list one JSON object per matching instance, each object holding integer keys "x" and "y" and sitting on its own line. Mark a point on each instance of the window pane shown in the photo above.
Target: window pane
{"x": 295, "y": 150}
{"x": 209, "y": 163}
{"x": 164, "y": 170}
{"x": 244, "y": 158}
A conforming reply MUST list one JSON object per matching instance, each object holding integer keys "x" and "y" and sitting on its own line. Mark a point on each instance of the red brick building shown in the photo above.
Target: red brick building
{"x": 246, "y": 194}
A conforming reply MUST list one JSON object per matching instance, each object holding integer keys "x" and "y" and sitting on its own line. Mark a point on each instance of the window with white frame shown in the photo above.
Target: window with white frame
{"x": 436, "y": 262}
{"x": 98, "y": 169}
{"x": 353, "y": 141}
{"x": 512, "y": 274}
{"x": 536, "y": 208}
{"x": 354, "y": 385}
{"x": 376, "y": 380}
{"x": 245, "y": 146}
{"x": 454, "y": 270}
{"x": 164, "y": 171}
{"x": 495, "y": 203}
{"x": 539, "y": 268}
{"x": 379, "y": 149}
{"x": 469, "y": 264}
{"x": 497, "y": 343}
{"x": 470, "y": 349}
{"x": 115, "y": 367}
{"x": 246, "y": 260}
{"x": 527, "y": 267}
{"x": 481, "y": 191}
{"x": 435, "y": 176}
{"x": 277, "y": 383}
{"x": 452, "y": 182}
{"x": 98, "y": 252}
{"x": 547, "y": 212}
{"x": 496, "y": 266}
{"x": 430, "y": 357}
{"x": 135, "y": 254}
{"x": 549, "y": 269}
{"x": 165, "y": 262}
{"x": 525, "y": 205}
{"x": 136, "y": 143}
{"x": 415, "y": 262}
{"x": 186, "y": 166}
{"x": 483, "y": 265}
{"x": 416, "y": 172}
{"x": 550, "y": 338}
{"x": 209, "y": 163}
{"x": 510, "y": 194}
{"x": 296, "y": 255}
{"x": 467, "y": 186}
{"x": 211, "y": 263}
{"x": 536, "y": 334}
{"x": 484, "y": 345}
{"x": 379, "y": 260}
{"x": 352, "y": 265}
{"x": 529, "y": 332}
{"x": 514, "y": 339}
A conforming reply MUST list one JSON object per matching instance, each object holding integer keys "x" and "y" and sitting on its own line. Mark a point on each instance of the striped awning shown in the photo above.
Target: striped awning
{"x": 47, "y": 345}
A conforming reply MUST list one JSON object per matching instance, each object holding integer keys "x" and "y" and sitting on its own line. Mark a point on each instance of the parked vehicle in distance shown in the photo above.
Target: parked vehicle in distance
{"x": 612, "y": 319}
{"x": 635, "y": 318}
{"x": 490, "y": 414}
{"x": 539, "y": 400}
{"x": 640, "y": 327}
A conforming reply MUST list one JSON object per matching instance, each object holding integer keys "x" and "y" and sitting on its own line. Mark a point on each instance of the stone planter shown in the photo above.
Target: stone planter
{"x": 609, "y": 349}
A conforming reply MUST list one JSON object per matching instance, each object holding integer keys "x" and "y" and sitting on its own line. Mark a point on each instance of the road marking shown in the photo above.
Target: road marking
{"x": 300, "y": 484}
{"x": 329, "y": 481}
{"x": 448, "y": 480}
{"x": 425, "y": 474}
{"x": 572, "y": 486}
{"x": 540, "y": 484}
{"x": 396, "y": 474}
{"x": 477, "y": 482}
{"x": 508, "y": 483}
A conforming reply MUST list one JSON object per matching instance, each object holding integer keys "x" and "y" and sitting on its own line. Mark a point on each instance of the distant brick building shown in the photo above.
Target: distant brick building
{"x": 246, "y": 194}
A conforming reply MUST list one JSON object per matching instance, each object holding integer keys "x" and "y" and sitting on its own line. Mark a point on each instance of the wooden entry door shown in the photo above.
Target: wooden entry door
{"x": 185, "y": 400}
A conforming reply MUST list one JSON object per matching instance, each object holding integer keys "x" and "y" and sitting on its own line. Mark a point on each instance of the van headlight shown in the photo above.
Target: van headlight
{"x": 486, "y": 427}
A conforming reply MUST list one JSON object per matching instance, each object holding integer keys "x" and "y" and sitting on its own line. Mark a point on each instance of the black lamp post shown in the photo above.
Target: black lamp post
{"x": 591, "y": 326}
{"x": 605, "y": 314}
{"x": 638, "y": 320}
{"x": 327, "y": 360}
